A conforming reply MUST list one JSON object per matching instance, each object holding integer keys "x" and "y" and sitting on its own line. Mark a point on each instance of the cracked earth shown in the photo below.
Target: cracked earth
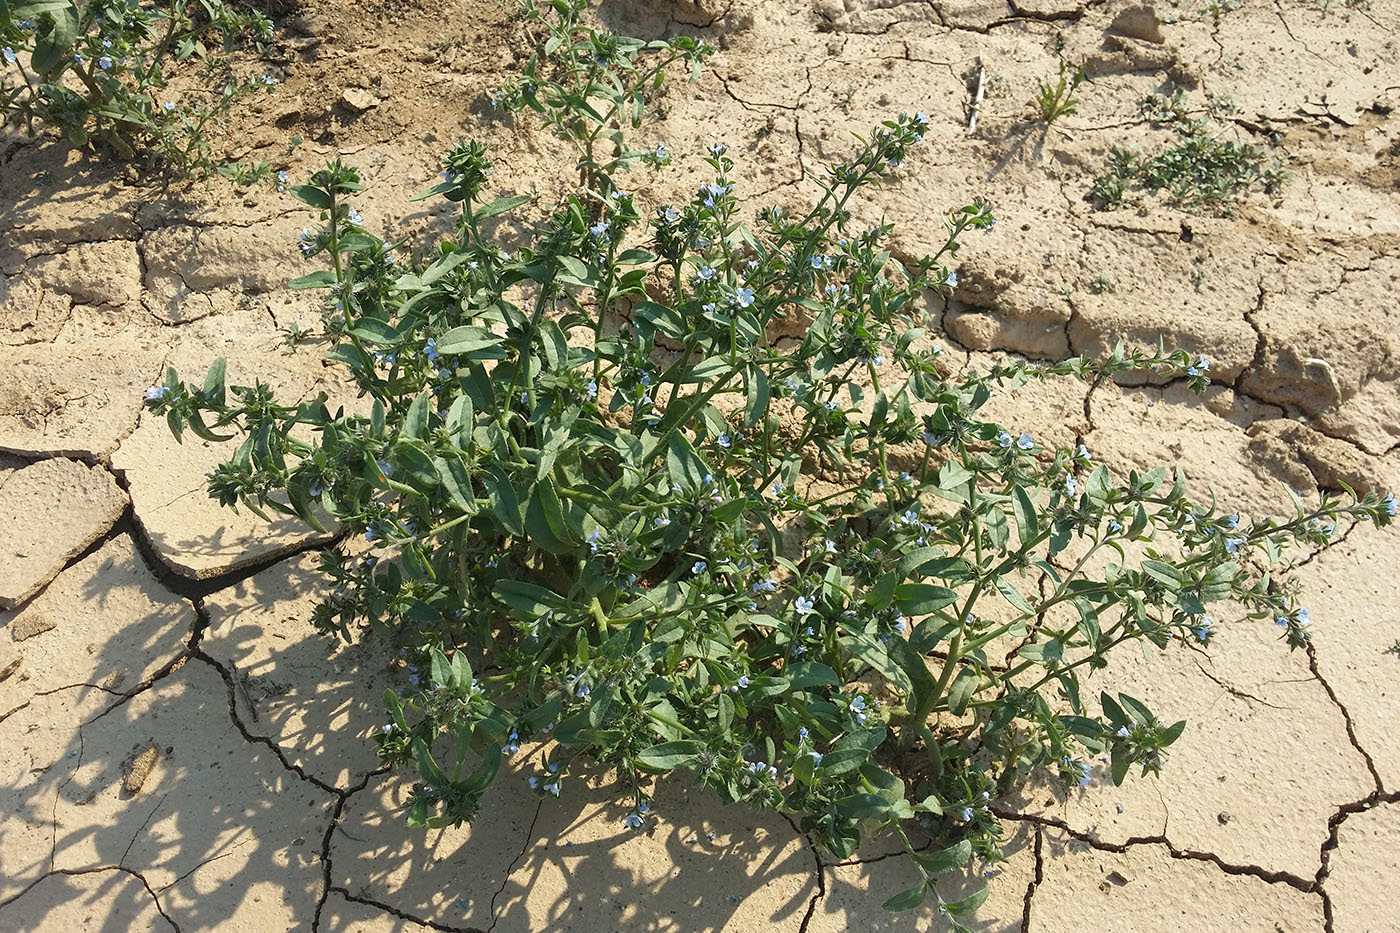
{"x": 180, "y": 750}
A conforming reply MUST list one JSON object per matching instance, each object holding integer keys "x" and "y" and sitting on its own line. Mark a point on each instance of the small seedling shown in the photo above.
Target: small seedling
{"x": 1057, "y": 100}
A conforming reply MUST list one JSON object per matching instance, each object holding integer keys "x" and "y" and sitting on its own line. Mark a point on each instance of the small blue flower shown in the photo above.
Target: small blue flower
{"x": 1025, "y": 442}
{"x": 354, "y": 217}
{"x": 967, "y": 814}
{"x": 705, "y": 274}
{"x": 1232, "y": 545}
{"x": 744, "y": 681}
{"x": 698, "y": 567}
{"x": 724, "y": 440}
{"x": 1232, "y": 522}
{"x": 1071, "y": 486}
{"x": 282, "y": 180}
{"x": 661, "y": 152}
{"x": 952, "y": 280}
{"x": 583, "y": 690}
{"x": 777, "y": 488}
{"x": 632, "y": 821}
{"x": 168, "y": 106}
{"x": 764, "y": 586}
{"x": 9, "y": 54}
{"x": 156, "y": 393}
{"x": 667, "y": 216}
{"x": 743, "y": 297}
{"x": 1304, "y": 617}
{"x": 1004, "y": 439}
{"x": 803, "y": 605}
{"x": 105, "y": 62}
{"x": 718, "y": 149}
{"x": 592, "y": 389}
{"x": 600, "y": 229}
{"x": 1388, "y": 504}
{"x": 77, "y": 58}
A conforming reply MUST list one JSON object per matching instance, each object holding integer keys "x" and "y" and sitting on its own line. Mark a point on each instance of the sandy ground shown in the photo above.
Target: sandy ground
{"x": 179, "y": 750}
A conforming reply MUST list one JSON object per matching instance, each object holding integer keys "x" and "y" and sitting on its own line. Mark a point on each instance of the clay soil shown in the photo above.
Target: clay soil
{"x": 179, "y": 750}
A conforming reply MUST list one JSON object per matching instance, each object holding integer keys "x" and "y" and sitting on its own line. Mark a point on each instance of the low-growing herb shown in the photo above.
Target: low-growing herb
{"x": 603, "y": 506}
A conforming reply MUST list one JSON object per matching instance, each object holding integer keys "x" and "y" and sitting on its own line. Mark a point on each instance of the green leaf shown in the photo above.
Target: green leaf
{"x": 920, "y": 599}
{"x": 668, "y": 756}
{"x": 756, "y": 385}
{"x": 415, "y": 422}
{"x": 52, "y": 50}
{"x": 862, "y": 806}
{"x": 941, "y": 861}
{"x": 967, "y": 905}
{"x": 1120, "y": 762}
{"x": 851, "y": 751}
{"x": 441, "y": 669}
{"x": 500, "y": 206}
{"x": 961, "y": 692}
{"x": 427, "y": 768}
{"x": 456, "y": 481}
{"x": 309, "y": 194}
{"x": 505, "y": 504}
{"x": 471, "y": 341}
{"x": 375, "y": 331}
{"x": 1163, "y": 573}
{"x": 907, "y": 900}
{"x": 804, "y": 675}
{"x": 1027, "y": 524}
{"x": 1173, "y": 732}
{"x": 528, "y": 600}
{"x": 1013, "y": 595}
{"x": 213, "y": 390}
{"x": 574, "y": 267}
{"x": 325, "y": 278}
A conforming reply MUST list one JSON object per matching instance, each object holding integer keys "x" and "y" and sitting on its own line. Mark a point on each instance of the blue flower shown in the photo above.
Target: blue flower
{"x": 168, "y": 106}
{"x": 105, "y": 62}
{"x": 952, "y": 280}
{"x": 600, "y": 229}
{"x": 723, "y": 440}
{"x": 281, "y": 179}
{"x": 744, "y": 681}
{"x": 1004, "y": 439}
{"x": 967, "y": 814}
{"x": 583, "y": 690}
{"x": 1388, "y": 504}
{"x": 156, "y": 393}
{"x": 718, "y": 149}
{"x": 1232, "y": 522}
{"x": 9, "y": 54}
{"x": 698, "y": 567}
{"x": 743, "y": 297}
{"x": 1304, "y": 617}
{"x": 1232, "y": 545}
{"x": 632, "y": 821}
{"x": 802, "y": 604}
{"x": 355, "y": 217}
{"x": 705, "y": 274}
{"x": 816, "y": 758}
{"x": 661, "y": 152}
{"x": 1025, "y": 442}
{"x": 592, "y": 389}
{"x": 1071, "y": 486}
{"x": 667, "y": 216}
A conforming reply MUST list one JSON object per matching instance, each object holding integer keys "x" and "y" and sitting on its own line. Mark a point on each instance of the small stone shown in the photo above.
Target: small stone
{"x": 358, "y": 100}
{"x": 138, "y": 767}
{"x": 32, "y": 623}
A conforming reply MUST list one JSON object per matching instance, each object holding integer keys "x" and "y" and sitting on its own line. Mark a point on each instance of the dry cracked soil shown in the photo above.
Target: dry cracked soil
{"x": 181, "y": 751}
